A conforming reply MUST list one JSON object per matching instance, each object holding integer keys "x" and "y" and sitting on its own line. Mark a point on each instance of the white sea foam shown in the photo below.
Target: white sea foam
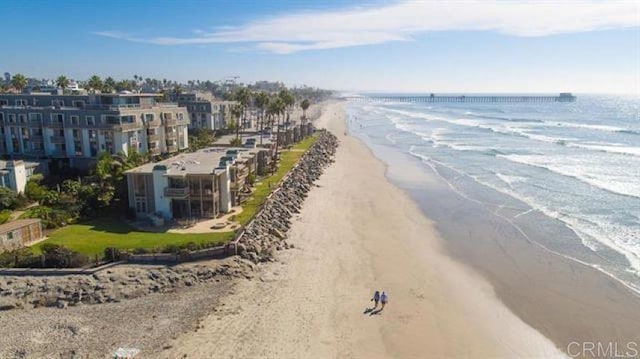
{"x": 611, "y": 148}
{"x": 584, "y": 170}
{"x": 605, "y": 128}
{"x": 592, "y": 233}
{"x": 632, "y": 254}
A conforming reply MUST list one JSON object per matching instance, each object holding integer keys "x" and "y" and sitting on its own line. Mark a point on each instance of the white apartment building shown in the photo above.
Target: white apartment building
{"x": 205, "y": 111}
{"x": 75, "y": 129}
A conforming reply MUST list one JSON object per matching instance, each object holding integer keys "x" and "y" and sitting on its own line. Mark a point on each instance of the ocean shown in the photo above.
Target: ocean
{"x": 575, "y": 164}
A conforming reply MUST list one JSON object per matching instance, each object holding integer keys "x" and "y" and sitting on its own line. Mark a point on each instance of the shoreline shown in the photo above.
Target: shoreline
{"x": 565, "y": 300}
{"x": 348, "y": 243}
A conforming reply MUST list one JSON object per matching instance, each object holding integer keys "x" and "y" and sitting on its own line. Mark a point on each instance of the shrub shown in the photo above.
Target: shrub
{"x": 19, "y": 258}
{"x": 57, "y": 256}
{"x": 112, "y": 254}
{"x": 251, "y": 179}
{"x": 171, "y": 248}
{"x": 5, "y": 214}
{"x": 236, "y": 142}
{"x": 52, "y": 217}
{"x": 8, "y": 198}
{"x": 141, "y": 251}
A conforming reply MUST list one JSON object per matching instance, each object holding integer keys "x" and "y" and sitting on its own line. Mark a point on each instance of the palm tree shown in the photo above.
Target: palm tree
{"x": 305, "y": 105}
{"x": 95, "y": 83}
{"x": 19, "y": 82}
{"x": 62, "y": 82}
{"x": 277, "y": 107}
{"x": 261, "y": 101}
{"x": 236, "y": 112}
{"x": 109, "y": 84}
{"x": 288, "y": 100}
{"x": 243, "y": 96}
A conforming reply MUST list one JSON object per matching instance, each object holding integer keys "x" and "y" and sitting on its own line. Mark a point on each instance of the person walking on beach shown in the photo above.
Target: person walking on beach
{"x": 383, "y": 299}
{"x": 375, "y": 299}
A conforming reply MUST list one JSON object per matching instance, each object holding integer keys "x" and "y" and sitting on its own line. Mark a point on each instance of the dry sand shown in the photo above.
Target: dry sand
{"x": 358, "y": 233}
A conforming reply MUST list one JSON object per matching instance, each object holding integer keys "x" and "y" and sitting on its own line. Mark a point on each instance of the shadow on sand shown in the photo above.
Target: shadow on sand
{"x": 371, "y": 311}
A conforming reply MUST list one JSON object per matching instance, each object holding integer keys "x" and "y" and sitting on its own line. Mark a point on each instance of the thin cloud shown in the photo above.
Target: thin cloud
{"x": 402, "y": 21}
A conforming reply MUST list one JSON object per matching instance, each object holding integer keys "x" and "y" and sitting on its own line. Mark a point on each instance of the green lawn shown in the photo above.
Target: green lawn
{"x": 93, "y": 237}
{"x": 288, "y": 159}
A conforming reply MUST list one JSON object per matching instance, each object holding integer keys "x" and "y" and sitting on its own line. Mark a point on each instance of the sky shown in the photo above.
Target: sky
{"x": 392, "y": 46}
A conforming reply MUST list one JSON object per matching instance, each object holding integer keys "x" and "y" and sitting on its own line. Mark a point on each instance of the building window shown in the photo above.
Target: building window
{"x": 128, "y": 119}
{"x": 21, "y": 102}
{"x": 78, "y": 149}
{"x": 148, "y": 117}
{"x": 4, "y": 102}
{"x": 57, "y": 118}
{"x": 22, "y": 118}
{"x": 12, "y": 118}
{"x": 75, "y": 121}
{"x": 79, "y": 104}
{"x": 91, "y": 121}
{"x": 141, "y": 205}
{"x": 35, "y": 117}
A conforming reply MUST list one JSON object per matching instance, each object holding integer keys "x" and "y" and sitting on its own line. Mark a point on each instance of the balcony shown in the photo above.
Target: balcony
{"x": 36, "y": 138}
{"x": 57, "y": 139}
{"x": 171, "y": 135}
{"x": 152, "y": 138}
{"x": 55, "y": 124}
{"x": 170, "y": 122}
{"x": 172, "y": 148}
{"x": 171, "y": 192}
{"x": 154, "y": 151}
{"x": 128, "y": 126}
{"x": 58, "y": 153}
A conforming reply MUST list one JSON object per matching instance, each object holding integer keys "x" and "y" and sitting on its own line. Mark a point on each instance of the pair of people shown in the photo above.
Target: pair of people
{"x": 379, "y": 298}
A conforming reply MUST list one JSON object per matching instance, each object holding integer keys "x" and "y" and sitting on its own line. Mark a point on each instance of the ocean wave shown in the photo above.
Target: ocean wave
{"x": 594, "y": 233}
{"x": 605, "y": 128}
{"x": 604, "y": 181}
{"x": 609, "y": 148}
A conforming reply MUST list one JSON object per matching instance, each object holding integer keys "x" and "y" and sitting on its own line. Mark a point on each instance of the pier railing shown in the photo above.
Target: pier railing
{"x": 563, "y": 97}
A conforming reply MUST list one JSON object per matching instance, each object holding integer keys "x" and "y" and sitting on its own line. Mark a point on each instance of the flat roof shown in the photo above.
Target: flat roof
{"x": 27, "y": 164}
{"x": 11, "y": 226}
{"x": 204, "y": 161}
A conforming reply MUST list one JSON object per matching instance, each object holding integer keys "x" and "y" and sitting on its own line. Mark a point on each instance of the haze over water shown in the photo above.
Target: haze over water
{"x": 578, "y": 163}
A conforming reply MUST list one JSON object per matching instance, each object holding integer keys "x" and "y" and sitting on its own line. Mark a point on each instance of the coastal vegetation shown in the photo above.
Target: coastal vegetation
{"x": 85, "y": 213}
{"x": 98, "y": 230}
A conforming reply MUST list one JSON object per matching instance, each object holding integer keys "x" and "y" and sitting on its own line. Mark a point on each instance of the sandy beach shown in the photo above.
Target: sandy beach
{"x": 358, "y": 233}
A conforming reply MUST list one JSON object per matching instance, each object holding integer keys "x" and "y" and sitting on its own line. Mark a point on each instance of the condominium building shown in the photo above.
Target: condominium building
{"x": 202, "y": 184}
{"x": 204, "y": 110}
{"x": 75, "y": 129}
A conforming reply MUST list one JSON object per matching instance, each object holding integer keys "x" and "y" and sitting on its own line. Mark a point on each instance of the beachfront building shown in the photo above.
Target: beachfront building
{"x": 204, "y": 110}
{"x": 291, "y": 134}
{"x": 72, "y": 130}
{"x": 20, "y": 233}
{"x": 202, "y": 184}
{"x": 15, "y": 174}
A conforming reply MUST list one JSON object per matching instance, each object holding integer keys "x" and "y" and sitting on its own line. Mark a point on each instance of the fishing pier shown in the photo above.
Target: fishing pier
{"x": 563, "y": 97}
